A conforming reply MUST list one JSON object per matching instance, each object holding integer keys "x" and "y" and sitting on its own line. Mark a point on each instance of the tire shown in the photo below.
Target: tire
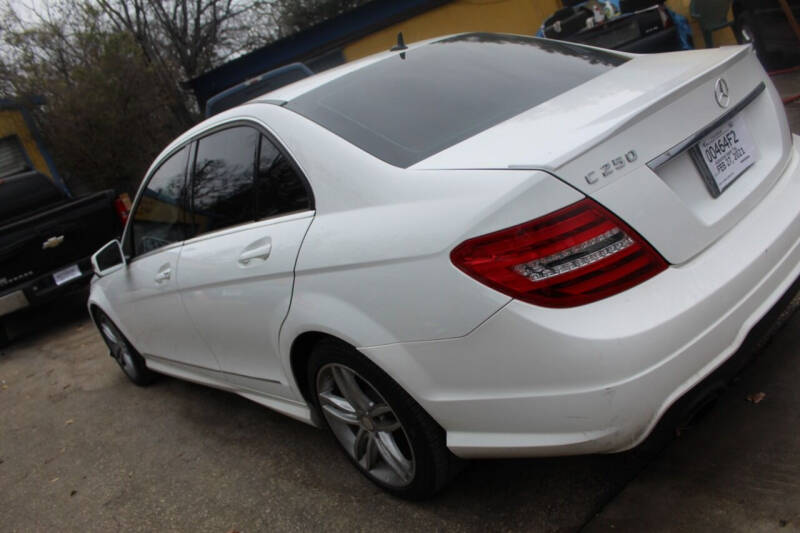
{"x": 129, "y": 360}
{"x": 5, "y": 338}
{"x": 389, "y": 438}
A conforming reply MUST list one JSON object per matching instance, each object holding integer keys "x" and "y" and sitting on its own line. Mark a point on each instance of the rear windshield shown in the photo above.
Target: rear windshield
{"x": 410, "y": 106}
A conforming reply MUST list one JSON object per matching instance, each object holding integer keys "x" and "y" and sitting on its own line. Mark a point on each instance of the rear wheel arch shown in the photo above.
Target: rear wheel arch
{"x": 422, "y": 442}
{"x": 299, "y": 355}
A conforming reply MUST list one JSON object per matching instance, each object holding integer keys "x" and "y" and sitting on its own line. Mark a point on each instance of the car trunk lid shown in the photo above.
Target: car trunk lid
{"x": 623, "y": 139}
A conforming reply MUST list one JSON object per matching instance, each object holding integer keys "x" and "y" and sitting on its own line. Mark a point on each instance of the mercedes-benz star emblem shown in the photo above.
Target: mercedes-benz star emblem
{"x": 721, "y": 93}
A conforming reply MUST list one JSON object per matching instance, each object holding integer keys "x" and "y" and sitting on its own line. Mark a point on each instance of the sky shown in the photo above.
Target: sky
{"x": 25, "y": 7}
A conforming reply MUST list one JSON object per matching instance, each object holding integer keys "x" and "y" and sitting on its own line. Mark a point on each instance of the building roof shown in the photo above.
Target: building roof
{"x": 7, "y": 103}
{"x": 308, "y": 43}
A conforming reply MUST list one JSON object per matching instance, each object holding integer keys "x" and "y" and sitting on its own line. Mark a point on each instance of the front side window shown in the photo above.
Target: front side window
{"x": 222, "y": 183}
{"x": 279, "y": 187}
{"x": 159, "y": 218}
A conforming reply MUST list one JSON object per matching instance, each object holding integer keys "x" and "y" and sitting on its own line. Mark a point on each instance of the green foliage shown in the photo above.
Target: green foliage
{"x": 111, "y": 71}
{"x": 110, "y": 117}
{"x": 108, "y": 111}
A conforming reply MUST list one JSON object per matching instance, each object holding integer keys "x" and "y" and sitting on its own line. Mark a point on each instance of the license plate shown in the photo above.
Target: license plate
{"x": 724, "y": 154}
{"x": 66, "y": 274}
{"x": 12, "y": 301}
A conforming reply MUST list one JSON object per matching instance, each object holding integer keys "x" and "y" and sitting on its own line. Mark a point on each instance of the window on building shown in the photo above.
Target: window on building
{"x": 12, "y": 157}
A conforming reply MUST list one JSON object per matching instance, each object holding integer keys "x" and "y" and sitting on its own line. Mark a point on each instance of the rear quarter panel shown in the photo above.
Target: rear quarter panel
{"x": 374, "y": 267}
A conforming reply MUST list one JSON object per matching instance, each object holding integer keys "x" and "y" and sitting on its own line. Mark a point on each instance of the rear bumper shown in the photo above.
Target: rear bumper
{"x": 533, "y": 382}
{"x": 43, "y": 289}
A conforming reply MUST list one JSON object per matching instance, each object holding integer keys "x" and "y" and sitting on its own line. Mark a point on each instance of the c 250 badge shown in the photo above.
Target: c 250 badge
{"x": 606, "y": 169}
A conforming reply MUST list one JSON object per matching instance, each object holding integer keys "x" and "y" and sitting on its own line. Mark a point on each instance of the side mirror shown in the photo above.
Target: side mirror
{"x": 108, "y": 259}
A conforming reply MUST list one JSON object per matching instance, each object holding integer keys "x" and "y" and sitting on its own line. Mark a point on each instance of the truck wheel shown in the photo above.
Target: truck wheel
{"x": 5, "y": 339}
{"x": 123, "y": 352}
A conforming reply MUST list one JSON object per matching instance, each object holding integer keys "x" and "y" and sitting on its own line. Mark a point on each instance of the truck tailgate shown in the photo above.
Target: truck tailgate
{"x": 55, "y": 238}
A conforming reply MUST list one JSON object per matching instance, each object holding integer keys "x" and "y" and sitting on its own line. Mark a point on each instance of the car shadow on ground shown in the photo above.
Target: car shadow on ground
{"x": 231, "y": 441}
{"x": 512, "y": 494}
{"x": 184, "y": 443}
{"x": 50, "y": 318}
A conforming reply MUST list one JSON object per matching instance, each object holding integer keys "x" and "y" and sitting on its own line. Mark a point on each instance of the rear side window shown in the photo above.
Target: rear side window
{"x": 280, "y": 189}
{"x": 410, "y": 106}
{"x": 160, "y": 218}
{"x": 223, "y": 181}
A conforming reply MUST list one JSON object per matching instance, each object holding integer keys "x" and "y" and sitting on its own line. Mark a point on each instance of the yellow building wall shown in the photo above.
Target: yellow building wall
{"x": 506, "y": 16}
{"x": 12, "y": 122}
{"x": 721, "y": 37}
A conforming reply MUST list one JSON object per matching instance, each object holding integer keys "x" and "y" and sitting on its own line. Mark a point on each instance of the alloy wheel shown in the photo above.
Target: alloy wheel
{"x": 365, "y": 425}
{"x": 119, "y": 348}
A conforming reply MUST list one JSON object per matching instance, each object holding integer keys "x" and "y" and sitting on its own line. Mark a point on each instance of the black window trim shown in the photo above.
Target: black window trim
{"x": 239, "y": 122}
{"x": 188, "y": 175}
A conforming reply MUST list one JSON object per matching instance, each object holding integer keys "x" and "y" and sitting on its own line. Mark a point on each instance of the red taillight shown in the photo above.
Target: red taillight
{"x": 574, "y": 256}
{"x": 121, "y": 209}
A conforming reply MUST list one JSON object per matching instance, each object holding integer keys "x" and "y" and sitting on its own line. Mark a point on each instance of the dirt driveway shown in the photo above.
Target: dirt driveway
{"x": 82, "y": 449}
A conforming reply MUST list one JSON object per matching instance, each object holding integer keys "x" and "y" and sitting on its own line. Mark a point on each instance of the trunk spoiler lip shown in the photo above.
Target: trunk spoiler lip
{"x": 668, "y": 98}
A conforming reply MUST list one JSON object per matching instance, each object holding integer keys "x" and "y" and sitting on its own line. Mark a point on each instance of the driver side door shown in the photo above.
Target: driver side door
{"x": 145, "y": 293}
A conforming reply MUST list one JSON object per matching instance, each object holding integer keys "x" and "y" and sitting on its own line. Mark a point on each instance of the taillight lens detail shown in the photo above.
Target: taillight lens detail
{"x": 577, "y": 255}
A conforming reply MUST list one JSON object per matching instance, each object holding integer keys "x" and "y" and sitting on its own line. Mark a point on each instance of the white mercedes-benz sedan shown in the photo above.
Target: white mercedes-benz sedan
{"x": 478, "y": 246}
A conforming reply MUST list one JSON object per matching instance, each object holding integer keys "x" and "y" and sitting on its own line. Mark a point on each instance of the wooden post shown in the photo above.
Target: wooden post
{"x": 790, "y": 17}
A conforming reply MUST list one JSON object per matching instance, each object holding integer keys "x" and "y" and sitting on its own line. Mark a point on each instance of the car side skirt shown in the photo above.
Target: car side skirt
{"x": 235, "y": 383}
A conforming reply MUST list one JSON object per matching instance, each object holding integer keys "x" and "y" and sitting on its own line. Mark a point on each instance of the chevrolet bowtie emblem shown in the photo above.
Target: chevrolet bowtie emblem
{"x": 52, "y": 242}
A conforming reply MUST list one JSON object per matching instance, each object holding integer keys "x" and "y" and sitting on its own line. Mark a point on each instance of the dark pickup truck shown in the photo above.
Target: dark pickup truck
{"x": 46, "y": 240}
{"x": 642, "y": 26}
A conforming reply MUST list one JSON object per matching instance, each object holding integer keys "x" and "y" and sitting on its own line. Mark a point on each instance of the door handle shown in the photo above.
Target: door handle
{"x": 258, "y": 250}
{"x": 163, "y": 275}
